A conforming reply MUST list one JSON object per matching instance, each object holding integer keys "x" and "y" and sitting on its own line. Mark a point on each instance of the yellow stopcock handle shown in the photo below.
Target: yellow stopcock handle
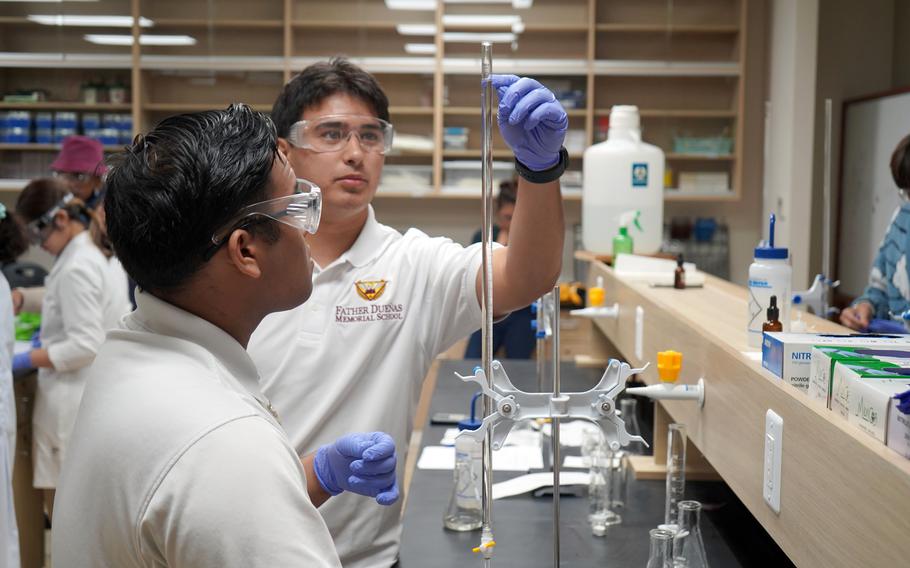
{"x": 596, "y": 294}
{"x": 484, "y": 546}
{"x": 668, "y": 366}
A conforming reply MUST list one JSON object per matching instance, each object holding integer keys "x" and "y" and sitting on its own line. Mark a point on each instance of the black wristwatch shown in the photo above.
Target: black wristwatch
{"x": 545, "y": 176}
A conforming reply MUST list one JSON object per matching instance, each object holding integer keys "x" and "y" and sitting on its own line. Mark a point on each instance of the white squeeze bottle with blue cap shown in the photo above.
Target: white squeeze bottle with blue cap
{"x": 769, "y": 275}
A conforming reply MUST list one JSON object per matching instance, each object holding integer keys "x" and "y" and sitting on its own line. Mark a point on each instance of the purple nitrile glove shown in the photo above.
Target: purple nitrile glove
{"x": 22, "y": 361}
{"x": 360, "y": 463}
{"x": 531, "y": 121}
{"x": 36, "y": 339}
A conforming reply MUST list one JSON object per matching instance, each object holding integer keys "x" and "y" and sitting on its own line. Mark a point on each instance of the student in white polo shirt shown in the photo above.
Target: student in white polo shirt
{"x": 385, "y": 304}
{"x": 177, "y": 458}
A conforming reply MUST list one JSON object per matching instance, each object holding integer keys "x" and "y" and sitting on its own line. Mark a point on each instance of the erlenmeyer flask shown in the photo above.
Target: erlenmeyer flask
{"x": 688, "y": 546}
{"x": 661, "y": 555}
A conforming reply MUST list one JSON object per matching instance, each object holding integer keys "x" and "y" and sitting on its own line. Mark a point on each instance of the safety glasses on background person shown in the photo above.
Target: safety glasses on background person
{"x": 71, "y": 176}
{"x": 302, "y": 210}
{"x": 331, "y": 133}
{"x": 39, "y": 229}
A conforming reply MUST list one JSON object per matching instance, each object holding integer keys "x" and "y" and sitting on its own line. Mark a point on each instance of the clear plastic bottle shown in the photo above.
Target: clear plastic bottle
{"x": 676, "y": 470}
{"x": 464, "y": 512}
{"x": 688, "y": 546}
{"x": 661, "y": 555}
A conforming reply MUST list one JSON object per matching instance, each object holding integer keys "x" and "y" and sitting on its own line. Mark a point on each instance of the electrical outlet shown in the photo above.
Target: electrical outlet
{"x": 639, "y": 333}
{"x": 774, "y": 438}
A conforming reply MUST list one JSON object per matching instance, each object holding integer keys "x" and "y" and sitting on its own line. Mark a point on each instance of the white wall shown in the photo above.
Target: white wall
{"x": 793, "y": 43}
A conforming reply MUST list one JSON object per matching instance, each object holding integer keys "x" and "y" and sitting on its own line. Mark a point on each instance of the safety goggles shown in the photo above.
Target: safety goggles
{"x": 40, "y": 229}
{"x": 331, "y": 133}
{"x": 71, "y": 176}
{"x": 302, "y": 210}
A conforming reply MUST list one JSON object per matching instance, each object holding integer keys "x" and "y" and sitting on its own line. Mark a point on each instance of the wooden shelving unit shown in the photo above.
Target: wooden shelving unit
{"x": 683, "y": 68}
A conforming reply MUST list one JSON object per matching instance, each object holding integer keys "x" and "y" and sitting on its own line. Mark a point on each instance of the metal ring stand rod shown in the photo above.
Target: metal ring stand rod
{"x": 554, "y": 426}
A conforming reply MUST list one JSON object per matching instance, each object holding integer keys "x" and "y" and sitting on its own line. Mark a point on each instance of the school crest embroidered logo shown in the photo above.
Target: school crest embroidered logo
{"x": 370, "y": 290}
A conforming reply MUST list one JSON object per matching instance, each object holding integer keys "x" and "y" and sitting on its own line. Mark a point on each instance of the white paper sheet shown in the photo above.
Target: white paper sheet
{"x": 509, "y": 458}
{"x": 523, "y": 437}
{"x": 530, "y": 482}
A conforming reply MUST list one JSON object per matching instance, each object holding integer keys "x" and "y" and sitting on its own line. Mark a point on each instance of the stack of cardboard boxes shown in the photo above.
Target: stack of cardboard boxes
{"x": 855, "y": 376}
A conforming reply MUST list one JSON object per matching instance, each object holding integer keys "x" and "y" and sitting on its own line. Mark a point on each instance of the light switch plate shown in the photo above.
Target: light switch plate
{"x": 639, "y": 333}
{"x": 774, "y": 438}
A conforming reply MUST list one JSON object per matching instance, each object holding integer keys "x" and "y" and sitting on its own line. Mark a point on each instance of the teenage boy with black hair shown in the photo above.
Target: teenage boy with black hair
{"x": 177, "y": 458}
{"x": 385, "y": 304}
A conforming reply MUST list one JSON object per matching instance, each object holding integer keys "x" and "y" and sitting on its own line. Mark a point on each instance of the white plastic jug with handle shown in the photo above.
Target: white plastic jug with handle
{"x": 622, "y": 174}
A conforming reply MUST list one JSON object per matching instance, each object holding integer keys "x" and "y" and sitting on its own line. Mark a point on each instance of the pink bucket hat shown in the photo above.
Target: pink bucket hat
{"x": 80, "y": 154}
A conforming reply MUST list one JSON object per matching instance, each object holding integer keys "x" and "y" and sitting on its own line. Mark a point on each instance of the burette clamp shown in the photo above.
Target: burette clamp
{"x": 512, "y": 405}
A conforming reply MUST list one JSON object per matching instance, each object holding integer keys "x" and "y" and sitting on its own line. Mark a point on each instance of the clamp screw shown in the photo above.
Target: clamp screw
{"x": 506, "y": 408}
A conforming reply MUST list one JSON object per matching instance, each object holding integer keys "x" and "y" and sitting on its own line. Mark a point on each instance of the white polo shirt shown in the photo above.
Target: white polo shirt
{"x": 354, "y": 356}
{"x": 176, "y": 461}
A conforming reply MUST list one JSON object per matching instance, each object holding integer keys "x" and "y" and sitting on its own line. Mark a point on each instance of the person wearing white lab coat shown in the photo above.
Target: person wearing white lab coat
{"x": 12, "y": 244}
{"x": 83, "y": 299}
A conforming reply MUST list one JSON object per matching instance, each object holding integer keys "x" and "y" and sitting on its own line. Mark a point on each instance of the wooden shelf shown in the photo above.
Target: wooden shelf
{"x": 661, "y": 28}
{"x": 497, "y": 153}
{"x": 212, "y": 63}
{"x": 348, "y": 24}
{"x": 33, "y": 147}
{"x": 195, "y": 107}
{"x": 700, "y": 157}
{"x": 681, "y": 196}
{"x": 410, "y": 111}
{"x": 13, "y": 184}
{"x": 674, "y": 113}
{"x": 644, "y": 68}
{"x": 446, "y": 195}
{"x": 65, "y": 60}
{"x": 215, "y": 23}
{"x": 475, "y": 111}
{"x": 62, "y": 105}
{"x": 560, "y": 43}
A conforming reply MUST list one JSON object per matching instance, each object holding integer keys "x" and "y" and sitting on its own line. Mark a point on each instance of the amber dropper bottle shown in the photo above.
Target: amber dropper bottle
{"x": 773, "y": 323}
{"x": 679, "y": 276}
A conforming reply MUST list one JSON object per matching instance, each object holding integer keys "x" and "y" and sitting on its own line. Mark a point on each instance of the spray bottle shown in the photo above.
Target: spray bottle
{"x": 622, "y": 243}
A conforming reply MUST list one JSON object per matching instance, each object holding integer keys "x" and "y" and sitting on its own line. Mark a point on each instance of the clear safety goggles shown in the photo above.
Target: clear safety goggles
{"x": 302, "y": 210}
{"x": 71, "y": 176}
{"x": 40, "y": 229}
{"x": 331, "y": 133}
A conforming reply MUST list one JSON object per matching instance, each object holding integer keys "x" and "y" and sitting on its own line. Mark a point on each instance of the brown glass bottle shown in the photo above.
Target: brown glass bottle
{"x": 773, "y": 323}
{"x": 679, "y": 276}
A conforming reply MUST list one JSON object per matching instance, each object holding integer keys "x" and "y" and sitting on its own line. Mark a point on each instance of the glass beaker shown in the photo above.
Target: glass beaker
{"x": 676, "y": 470}
{"x": 628, "y": 408}
{"x": 661, "y": 555}
{"x": 464, "y": 512}
{"x": 688, "y": 546}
